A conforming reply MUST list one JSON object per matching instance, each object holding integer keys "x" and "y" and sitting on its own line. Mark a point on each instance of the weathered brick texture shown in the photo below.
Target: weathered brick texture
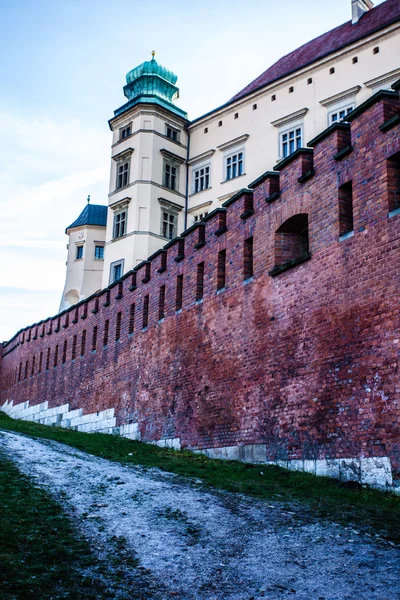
{"x": 305, "y": 361}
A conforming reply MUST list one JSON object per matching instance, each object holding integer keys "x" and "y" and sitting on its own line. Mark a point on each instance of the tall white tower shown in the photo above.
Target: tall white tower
{"x": 148, "y": 171}
{"x": 85, "y": 254}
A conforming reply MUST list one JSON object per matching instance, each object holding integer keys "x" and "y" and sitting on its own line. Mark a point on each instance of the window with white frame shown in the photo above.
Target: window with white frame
{"x": 234, "y": 165}
{"x": 79, "y": 252}
{"x": 122, "y": 174}
{"x": 170, "y": 176}
{"x": 99, "y": 252}
{"x": 200, "y": 216}
{"x": 290, "y": 140}
{"x": 119, "y": 229}
{"x": 171, "y": 133}
{"x": 125, "y": 132}
{"x": 339, "y": 114}
{"x": 168, "y": 224}
{"x": 116, "y": 270}
{"x": 201, "y": 179}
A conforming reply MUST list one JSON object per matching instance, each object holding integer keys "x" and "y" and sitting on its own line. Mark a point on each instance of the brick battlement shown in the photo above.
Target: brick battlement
{"x": 271, "y": 324}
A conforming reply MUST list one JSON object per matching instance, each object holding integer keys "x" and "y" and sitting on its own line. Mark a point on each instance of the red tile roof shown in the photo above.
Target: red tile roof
{"x": 375, "y": 19}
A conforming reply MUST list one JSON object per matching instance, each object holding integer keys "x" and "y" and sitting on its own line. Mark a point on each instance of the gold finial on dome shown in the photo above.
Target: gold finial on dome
{"x": 153, "y": 55}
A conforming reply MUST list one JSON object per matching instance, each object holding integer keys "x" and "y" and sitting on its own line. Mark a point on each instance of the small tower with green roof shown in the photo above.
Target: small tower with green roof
{"x": 148, "y": 171}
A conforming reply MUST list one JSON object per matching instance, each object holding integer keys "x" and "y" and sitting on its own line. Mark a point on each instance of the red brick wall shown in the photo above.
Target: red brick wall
{"x": 305, "y": 362}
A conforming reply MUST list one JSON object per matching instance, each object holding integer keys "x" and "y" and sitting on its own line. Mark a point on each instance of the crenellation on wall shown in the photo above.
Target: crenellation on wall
{"x": 298, "y": 368}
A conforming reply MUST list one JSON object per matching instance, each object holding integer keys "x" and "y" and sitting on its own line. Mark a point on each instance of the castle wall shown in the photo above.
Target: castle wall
{"x": 295, "y": 364}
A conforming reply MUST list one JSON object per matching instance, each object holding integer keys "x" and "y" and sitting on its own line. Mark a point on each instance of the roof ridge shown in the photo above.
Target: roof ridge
{"x": 334, "y": 39}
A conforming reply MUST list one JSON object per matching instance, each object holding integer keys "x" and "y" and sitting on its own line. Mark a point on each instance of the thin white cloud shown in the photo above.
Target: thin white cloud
{"x": 47, "y": 168}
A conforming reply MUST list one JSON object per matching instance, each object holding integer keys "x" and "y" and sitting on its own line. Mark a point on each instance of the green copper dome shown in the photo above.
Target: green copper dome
{"x": 151, "y": 68}
{"x": 151, "y": 83}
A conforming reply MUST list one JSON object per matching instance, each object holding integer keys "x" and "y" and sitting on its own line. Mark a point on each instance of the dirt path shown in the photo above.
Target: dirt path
{"x": 174, "y": 539}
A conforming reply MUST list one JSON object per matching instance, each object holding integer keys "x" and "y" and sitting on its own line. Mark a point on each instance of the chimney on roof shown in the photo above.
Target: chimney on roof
{"x": 358, "y": 8}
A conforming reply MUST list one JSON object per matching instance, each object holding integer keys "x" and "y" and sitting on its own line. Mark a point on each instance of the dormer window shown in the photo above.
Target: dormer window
{"x": 171, "y": 133}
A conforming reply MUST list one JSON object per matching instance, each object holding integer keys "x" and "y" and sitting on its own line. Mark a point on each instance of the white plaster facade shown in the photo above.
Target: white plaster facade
{"x": 84, "y": 275}
{"x": 249, "y": 130}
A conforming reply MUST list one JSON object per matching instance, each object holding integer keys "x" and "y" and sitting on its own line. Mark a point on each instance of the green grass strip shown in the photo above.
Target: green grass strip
{"x": 41, "y": 557}
{"x": 363, "y": 508}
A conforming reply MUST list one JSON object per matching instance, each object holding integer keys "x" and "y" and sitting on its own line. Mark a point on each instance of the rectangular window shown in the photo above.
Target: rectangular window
{"x": 161, "y": 303}
{"x": 200, "y": 216}
{"x": 20, "y": 371}
{"x": 106, "y": 328}
{"x": 55, "y": 356}
{"x": 169, "y": 221}
{"x": 79, "y": 252}
{"x": 221, "y": 270}
{"x": 99, "y": 252}
{"x": 145, "y": 311}
{"x": 40, "y": 362}
{"x": 74, "y": 342}
{"x": 117, "y": 272}
{"x": 234, "y": 166}
{"x": 291, "y": 141}
{"x": 26, "y": 369}
{"x": 179, "y": 292}
{"x": 346, "y": 208}
{"x": 170, "y": 176}
{"x": 393, "y": 181}
{"x": 201, "y": 179}
{"x": 64, "y": 354}
{"x": 94, "y": 338}
{"x": 119, "y": 228}
{"x": 125, "y": 132}
{"x": 122, "y": 175}
{"x": 339, "y": 115}
{"x": 200, "y": 281}
{"x": 172, "y": 134}
{"x": 248, "y": 258}
{"x": 131, "y": 319}
{"x": 48, "y": 359}
{"x": 83, "y": 342}
{"x": 118, "y": 327}
{"x": 33, "y": 367}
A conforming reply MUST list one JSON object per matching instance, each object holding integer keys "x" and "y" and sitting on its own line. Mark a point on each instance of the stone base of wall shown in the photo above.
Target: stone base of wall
{"x": 375, "y": 472}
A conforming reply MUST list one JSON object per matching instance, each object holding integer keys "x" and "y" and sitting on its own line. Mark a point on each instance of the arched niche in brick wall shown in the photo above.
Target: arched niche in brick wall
{"x": 291, "y": 239}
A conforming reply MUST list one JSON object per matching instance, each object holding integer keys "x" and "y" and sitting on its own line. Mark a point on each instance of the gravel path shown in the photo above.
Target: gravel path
{"x": 172, "y": 538}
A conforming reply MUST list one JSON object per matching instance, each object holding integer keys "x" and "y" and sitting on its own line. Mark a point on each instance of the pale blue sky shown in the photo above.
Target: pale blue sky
{"x": 62, "y": 70}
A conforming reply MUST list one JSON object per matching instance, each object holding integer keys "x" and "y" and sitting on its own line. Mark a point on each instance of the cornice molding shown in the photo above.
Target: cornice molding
{"x": 169, "y": 204}
{"x": 120, "y": 203}
{"x": 154, "y": 132}
{"x": 201, "y": 157}
{"x": 235, "y": 142}
{"x": 390, "y": 77}
{"x": 171, "y": 156}
{"x": 299, "y": 114}
{"x": 123, "y": 154}
{"x": 199, "y": 206}
{"x": 336, "y": 98}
